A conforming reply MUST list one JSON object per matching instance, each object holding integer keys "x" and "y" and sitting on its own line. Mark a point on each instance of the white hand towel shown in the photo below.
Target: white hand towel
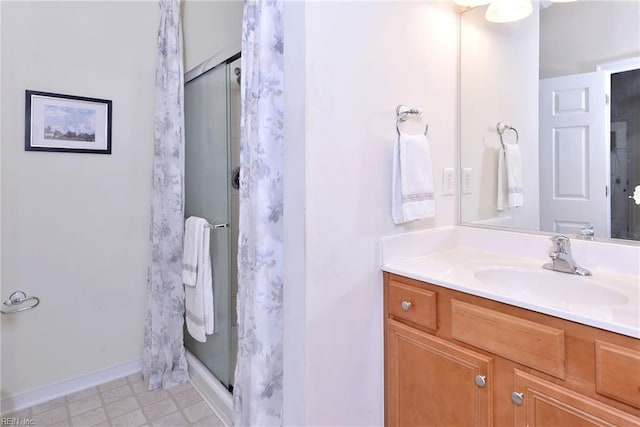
{"x": 509, "y": 178}
{"x": 513, "y": 160}
{"x": 503, "y": 190}
{"x": 412, "y": 189}
{"x": 199, "y": 292}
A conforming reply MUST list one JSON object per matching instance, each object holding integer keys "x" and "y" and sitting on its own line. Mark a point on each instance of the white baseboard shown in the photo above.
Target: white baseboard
{"x": 216, "y": 395}
{"x": 27, "y": 399}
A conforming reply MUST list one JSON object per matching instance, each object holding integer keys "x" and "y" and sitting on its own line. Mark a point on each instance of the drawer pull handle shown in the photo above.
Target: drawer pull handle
{"x": 518, "y": 398}
{"x": 481, "y": 380}
{"x": 406, "y": 305}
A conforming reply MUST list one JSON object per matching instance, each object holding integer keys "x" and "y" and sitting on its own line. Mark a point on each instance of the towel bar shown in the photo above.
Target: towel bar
{"x": 223, "y": 225}
{"x": 18, "y": 298}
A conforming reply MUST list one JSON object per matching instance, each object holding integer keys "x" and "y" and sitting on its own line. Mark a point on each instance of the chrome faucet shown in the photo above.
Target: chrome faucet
{"x": 561, "y": 257}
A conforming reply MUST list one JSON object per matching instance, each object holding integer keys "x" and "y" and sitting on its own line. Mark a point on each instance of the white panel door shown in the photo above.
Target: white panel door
{"x": 574, "y": 154}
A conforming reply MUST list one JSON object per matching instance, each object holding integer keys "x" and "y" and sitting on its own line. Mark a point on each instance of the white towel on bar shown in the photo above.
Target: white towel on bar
{"x": 412, "y": 189}
{"x": 509, "y": 178}
{"x": 196, "y": 275}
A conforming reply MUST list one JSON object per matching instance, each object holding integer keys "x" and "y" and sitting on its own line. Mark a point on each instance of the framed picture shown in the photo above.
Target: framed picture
{"x": 66, "y": 123}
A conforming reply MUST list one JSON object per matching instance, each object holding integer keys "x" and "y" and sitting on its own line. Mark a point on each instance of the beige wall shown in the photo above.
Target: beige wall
{"x": 75, "y": 226}
{"x": 209, "y": 26}
{"x": 352, "y": 63}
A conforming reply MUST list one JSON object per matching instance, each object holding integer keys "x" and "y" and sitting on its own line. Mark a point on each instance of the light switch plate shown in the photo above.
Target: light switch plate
{"x": 466, "y": 180}
{"x": 448, "y": 181}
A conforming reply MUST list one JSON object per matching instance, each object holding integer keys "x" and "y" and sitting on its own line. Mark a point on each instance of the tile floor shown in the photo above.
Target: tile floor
{"x": 123, "y": 402}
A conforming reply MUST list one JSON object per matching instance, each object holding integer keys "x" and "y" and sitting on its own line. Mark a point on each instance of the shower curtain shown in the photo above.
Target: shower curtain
{"x": 258, "y": 380}
{"x": 164, "y": 361}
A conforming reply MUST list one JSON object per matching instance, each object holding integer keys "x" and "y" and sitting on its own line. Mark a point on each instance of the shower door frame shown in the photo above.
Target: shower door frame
{"x": 222, "y": 59}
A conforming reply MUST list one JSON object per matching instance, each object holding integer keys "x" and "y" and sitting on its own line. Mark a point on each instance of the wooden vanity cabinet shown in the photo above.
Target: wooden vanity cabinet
{"x": 454, "y": 359}
{"x": 443, "y": 391}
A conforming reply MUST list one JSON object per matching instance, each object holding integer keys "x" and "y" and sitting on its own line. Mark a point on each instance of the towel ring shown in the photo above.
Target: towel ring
{"x": 501, "y": 128}
{"x": 16, "y": 299}
{"x": 402, "y": 113}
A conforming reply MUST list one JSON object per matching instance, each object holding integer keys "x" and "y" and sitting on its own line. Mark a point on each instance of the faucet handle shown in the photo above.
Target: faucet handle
{"x": 561, "y": 243}
{"x": 586, "y": 233}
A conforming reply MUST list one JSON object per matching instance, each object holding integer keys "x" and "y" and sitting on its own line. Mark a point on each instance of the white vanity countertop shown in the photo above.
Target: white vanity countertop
{"x": 605, "y": 300}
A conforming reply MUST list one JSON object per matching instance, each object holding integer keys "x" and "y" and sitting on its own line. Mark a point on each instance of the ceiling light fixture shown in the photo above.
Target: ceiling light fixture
{"x": 471, "y": 3}
{"x": 508, "y": 10}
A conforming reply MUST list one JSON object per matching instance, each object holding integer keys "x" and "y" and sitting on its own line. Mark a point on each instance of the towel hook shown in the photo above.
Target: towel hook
{"x": 402, "y": 113}
{"x": 501, "y": 128}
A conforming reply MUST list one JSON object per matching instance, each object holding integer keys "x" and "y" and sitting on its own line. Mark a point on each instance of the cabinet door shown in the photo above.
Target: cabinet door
{"x": 546, "y": 404}
{"x": 430, "y": 382}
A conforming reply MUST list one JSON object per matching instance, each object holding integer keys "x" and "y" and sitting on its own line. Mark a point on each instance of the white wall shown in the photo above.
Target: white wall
{"x": 75, "y": 226}
{"x": 499, "y": 83}
{"x": 576, "y": 37}
{"x": 354, "y": 62}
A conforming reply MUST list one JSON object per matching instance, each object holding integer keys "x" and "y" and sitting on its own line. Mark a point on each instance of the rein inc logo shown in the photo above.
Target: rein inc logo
{"x": 15, "y": 421}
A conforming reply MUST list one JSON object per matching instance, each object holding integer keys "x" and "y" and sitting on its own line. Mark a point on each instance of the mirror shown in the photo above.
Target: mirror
{"x": 564, "y": 84}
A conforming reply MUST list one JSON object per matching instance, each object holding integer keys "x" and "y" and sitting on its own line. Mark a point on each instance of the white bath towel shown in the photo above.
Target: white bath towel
{"x": 412, "y": 189}
{"x": 196, "y": 275}
{"x": 509, "y": 178}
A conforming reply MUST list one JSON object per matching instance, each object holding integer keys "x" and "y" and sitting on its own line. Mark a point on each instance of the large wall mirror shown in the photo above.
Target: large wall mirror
{"x": 563, "y": 85}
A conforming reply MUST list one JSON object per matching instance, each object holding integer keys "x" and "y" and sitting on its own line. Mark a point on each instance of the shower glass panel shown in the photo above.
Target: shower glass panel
{"x": 210, "y": 102}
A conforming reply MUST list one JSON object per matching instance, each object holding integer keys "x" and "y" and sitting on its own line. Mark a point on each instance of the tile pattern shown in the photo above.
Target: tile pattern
{"x": 123, "y": 402}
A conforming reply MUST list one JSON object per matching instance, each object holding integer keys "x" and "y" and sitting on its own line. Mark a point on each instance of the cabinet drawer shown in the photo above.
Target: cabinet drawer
{"x": 532, "y": 344}
{"x": 412, "y": 304}
{"x": 618, "y": 372}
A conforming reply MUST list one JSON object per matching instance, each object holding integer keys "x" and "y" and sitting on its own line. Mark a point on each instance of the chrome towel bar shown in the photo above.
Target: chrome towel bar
{"x": 223, "y": 225}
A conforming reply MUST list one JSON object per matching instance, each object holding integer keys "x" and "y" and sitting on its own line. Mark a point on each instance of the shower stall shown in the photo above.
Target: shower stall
{"x": 212, "y": 140}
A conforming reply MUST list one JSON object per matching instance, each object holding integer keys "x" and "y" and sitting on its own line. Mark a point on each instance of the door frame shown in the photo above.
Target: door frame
{"x": 625, "y": 209}
{"x": 609, "y": 68}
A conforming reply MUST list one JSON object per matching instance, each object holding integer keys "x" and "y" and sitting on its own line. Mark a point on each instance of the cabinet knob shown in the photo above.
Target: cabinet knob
{"x": 481, "y": 380}
{"x": 406, "y": 305}
{"x": 517, "y": 398}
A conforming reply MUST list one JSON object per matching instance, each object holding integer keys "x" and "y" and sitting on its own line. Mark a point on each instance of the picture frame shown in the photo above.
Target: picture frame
{"x": 66, "y": 123}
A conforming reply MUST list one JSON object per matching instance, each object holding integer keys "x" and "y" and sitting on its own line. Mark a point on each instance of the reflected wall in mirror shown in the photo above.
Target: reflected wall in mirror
{"x": 567, "y": 78}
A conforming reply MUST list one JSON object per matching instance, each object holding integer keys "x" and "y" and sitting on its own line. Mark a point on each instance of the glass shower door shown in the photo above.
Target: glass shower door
{"x": 207, "y": 195}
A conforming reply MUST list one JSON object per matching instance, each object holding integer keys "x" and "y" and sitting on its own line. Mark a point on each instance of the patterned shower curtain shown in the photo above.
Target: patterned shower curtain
{"x": 258, "y": 380}
{"x": 164, "y": 361}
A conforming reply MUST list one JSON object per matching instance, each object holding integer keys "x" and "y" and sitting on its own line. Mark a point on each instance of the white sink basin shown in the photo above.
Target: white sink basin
{"x": 563, "y": 288}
